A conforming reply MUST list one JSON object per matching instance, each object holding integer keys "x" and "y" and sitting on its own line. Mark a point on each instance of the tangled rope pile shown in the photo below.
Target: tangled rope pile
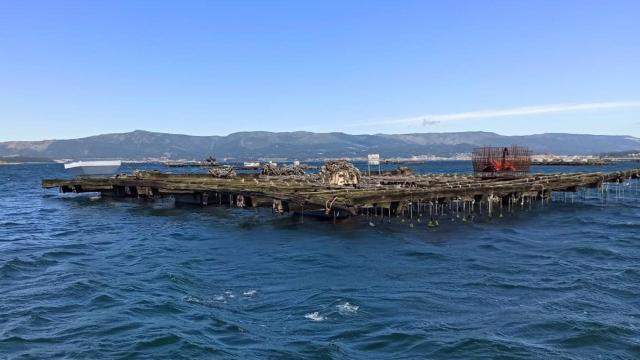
{"x": 403, "y": 171}
{"x": 222, "y": 172}
{"x": 274, "y": 170}
{"x": 339, "y": 172}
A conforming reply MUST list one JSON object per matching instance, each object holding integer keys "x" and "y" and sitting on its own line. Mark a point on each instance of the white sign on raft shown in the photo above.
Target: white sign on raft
{"x": 374, "y": 159}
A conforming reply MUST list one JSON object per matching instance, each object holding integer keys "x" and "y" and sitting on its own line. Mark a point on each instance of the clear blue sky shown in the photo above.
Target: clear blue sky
{"x": 78, "y": 68}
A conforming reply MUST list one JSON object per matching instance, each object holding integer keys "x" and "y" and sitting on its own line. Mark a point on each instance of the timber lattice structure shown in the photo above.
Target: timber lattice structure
{"x": 389, "y": 194}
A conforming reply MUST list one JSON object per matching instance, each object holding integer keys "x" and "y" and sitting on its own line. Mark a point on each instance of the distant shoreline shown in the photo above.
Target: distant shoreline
{"x": 27, "y": 163}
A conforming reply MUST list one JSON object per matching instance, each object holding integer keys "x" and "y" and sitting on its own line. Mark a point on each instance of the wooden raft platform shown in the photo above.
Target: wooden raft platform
{"x": 389, "y": 194}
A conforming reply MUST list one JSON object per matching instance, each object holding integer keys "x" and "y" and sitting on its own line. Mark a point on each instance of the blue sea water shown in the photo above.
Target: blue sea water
{"x": 100, "y": 279}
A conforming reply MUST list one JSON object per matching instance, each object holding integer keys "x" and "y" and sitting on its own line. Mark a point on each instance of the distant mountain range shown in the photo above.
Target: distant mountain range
{"x": 302, "y": 145}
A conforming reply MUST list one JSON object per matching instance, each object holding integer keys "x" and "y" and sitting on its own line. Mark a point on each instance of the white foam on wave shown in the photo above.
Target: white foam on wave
{"x": 197, "y": 300}
{"x": 347, "y": 308}
{"x": 315, "y": 316}
{"x": 226, "y": 295}
{"x": 249, "y": 293}
{"x": 192, "y": 299}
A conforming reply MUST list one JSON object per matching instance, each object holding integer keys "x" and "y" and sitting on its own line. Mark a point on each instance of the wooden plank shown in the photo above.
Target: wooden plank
{"x": 308, "y": 191}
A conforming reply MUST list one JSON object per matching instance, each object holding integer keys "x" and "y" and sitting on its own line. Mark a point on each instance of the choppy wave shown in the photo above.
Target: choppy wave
{"x": 347, "y": 308}
{"x": 315, "y": 316}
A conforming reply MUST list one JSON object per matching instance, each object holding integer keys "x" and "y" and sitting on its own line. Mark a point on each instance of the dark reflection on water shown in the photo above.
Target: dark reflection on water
{"x": 84, "y": 278}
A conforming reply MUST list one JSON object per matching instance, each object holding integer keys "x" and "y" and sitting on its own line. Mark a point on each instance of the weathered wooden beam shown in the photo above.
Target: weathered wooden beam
{"x": 310, "y": 193}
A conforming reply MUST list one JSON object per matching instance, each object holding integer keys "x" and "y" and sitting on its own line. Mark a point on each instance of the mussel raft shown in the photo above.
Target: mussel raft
{"x": 344, "y": 193}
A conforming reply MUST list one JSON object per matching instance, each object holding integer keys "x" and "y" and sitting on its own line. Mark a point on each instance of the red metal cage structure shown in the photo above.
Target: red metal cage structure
{"x": 507, "y": 162}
